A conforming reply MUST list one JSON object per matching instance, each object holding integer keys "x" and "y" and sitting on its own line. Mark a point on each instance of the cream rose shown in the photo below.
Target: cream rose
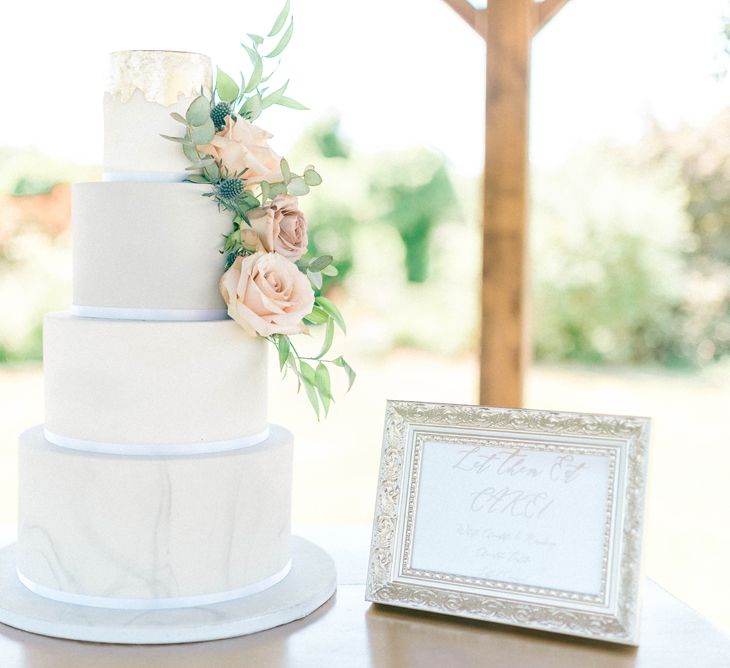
{"x": 281, "y": 227}
{"x": 266, "y": 294}
{"x": 242, "y": 145}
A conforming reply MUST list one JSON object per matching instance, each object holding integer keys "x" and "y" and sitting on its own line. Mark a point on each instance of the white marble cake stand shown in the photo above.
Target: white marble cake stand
{"x": 310, "y": 583}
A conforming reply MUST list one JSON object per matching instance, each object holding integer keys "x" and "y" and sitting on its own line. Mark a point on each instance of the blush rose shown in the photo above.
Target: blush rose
{"x": 281, "y": 227}
{"x": 242, "y": 145}
{"x": 267, "y": 294}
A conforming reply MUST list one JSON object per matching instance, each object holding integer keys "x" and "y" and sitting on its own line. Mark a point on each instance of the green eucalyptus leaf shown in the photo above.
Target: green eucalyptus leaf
{"x": 199, "y": 111}
{"x": 197, "y": 178}
{"x": 312, "y": 178}
{"x": 329, "y": 307}
{"x": 308, "y": 376}
{"x": 318, "y": 316}
{"x": 258, "y": 70}
{"x": 322, "y": 379}
{"x": 177, "y": 140}
{"x": 200, "y": 165}
{"x": 312, "y": 396}
{"x": 212, "y": 172}
{"x": 292, "y": 364}
{"x": 230, "y": 242}
{"x": 351, "y": 375}
{"x": 277, "y": 189}
{"x": 255, "y": 79}
{"x": 273, "y": 98}
{"x": 249, "y": 199}
{"x": 284, "y": 348}
{"x": 256, "y": 39}
{"x": 265, "y": 190}
{"x": 297, "y": 186}
{"x": 252, "y": 107}
{"x": 227, "y": 87}
{"x": 283, "y": 41}
{"x": 280, "y": 19}
{"x": 253, "y": 55}
{"x": 291, "y": 103}
{"x": 285, "y": 171}
{"x": 203, "y": 133}
{"x": 241, "y": 88}
{"x": 331, "y": 270}
{"x": 191, "y": 153}
{"x": 318, "y": 264}
{"x": 271, "y": 74}
{"x": 179, "y": 118}
{"x": 329, "y": 335}
{"x": 315, "y": 278}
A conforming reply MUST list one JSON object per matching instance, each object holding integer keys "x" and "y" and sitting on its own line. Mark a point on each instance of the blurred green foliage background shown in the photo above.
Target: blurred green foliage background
{"x": 630, "y": 247}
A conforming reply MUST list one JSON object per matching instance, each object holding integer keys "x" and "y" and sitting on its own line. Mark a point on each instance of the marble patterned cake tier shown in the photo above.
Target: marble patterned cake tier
{"x": 145, "y": 247}
{"x": 310, "y": 583}
{"x": 144, "y": 528}
{"x": 189, "y": 386}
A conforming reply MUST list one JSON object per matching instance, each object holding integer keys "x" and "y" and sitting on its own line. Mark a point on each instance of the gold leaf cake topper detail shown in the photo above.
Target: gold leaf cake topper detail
{"x": 161, "y": 76}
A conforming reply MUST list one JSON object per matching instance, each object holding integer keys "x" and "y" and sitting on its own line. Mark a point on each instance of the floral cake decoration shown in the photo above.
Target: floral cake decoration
{"x": 271, "y": 286}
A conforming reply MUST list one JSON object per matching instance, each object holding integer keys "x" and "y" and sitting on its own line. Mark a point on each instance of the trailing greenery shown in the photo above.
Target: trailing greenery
{"x": 247, "y": 97}
{"x": 312, "y": 372}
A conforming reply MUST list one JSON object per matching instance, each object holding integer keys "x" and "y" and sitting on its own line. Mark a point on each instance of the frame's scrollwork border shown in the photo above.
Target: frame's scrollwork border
{"x": 560, "y": 617}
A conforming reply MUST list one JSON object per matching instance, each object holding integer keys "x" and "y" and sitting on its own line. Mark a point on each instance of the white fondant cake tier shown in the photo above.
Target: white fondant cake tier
{"x": 153, "y": 532}
{"x": 144, "y": 384}
{"x": 144, "y": 247}
{"x": 144, "y": 88}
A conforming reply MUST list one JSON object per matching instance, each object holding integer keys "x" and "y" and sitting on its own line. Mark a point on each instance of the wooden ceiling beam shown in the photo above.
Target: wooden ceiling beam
{"x": 545, "y": 10}
{"x": 475, "y": 18}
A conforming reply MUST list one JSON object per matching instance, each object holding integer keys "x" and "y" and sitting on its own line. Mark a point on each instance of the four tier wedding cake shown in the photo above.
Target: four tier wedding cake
{"x": 156, "y": 482}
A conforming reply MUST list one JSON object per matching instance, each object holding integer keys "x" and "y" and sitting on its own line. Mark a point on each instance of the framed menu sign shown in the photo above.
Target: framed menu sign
{"x": 529, "y": 518}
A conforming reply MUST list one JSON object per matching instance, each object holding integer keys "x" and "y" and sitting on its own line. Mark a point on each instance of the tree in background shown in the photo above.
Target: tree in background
{"x": 410, "y": 190}
{"x": 415, "y": 193}
{"x": 606, "y": 242}
{"x": 701, "y": 158}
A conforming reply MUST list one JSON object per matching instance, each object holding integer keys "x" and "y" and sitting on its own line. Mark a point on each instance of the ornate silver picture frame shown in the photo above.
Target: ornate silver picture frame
{"x": 522, "y": 517}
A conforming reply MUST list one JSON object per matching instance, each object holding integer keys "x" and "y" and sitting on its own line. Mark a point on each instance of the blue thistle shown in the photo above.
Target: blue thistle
{"x": 230, "y": 189}
{"x": 219, "y": 113}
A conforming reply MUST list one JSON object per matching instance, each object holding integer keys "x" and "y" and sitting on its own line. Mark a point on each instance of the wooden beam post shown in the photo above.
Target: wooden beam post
{"x": 544, "y": 11}
{"x": 504, "y": 340}
{"x": 476, "y": 18}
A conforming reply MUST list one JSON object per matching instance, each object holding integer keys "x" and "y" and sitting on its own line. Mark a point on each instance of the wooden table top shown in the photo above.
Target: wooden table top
{"x": 347, "y": 631}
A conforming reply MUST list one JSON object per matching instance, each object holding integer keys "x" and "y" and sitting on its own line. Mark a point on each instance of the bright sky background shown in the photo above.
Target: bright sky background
{"x": 400, "y": 72}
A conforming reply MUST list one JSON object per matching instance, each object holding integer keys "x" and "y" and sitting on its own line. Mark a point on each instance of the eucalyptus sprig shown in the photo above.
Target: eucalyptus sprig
{"x": 199, "y": 130}
{"x": 315, "y": 270}
{"x": 252, "y": 96}
{"x": 313, "y": 372}
{"x": 291, "y": 183}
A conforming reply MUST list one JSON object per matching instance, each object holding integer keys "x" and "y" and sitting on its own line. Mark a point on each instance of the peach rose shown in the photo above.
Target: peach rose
{"x": 281, "y": 227}
{"x": 242, "y": 145}
{"x": 263, "y": 224}
{"x": 266, "y": 294}
{"x": 250, "y": 240}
